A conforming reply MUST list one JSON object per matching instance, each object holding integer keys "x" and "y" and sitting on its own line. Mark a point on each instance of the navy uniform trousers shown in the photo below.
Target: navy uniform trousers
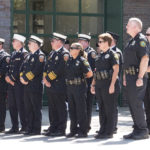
{"x": 147, "y": 103}
{"x": 16, "y": 105}
{"x": 33, "y": 106}
{"x": 57, "y": 111}
{"x": 107, "y": 108}
{"x": 2, "y": 110}
{"x": 135, "y": 96}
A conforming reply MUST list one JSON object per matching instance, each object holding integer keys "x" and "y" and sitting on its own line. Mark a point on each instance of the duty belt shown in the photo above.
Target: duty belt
{"x": 132, "y": 70}
{"x": 75, "y": 81}
{"x": 102, "y": 75}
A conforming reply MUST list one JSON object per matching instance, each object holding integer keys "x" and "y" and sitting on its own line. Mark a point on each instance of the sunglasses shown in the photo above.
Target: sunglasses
{"x": 147, "y": 34}
{"x": 75, "y": 48}
{"x": 101, "y": 41}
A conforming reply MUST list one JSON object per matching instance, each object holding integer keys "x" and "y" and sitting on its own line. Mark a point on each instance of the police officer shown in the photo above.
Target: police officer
{"x": 77, "y": 68}
{"x": 54, "y": 80}
{"x": 15, "y": 88}
{"x": 105, "y": 85}
{"x": 118, "y": 51}
{"x": 4, "y": 63}
{"x": 84, "y": 40}
{"x": 31, "y": 76}
{"x": 134, "y": 79}
{"x": 147, "y": 93}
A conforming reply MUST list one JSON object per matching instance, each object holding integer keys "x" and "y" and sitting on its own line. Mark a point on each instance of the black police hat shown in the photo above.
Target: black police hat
{"x": 114, "y": 35}
{"x": 67, "y": 42}
{"x": 97, "y": 44}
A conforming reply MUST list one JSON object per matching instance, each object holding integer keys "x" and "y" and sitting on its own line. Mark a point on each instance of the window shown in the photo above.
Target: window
{"x": 69, "y": 17}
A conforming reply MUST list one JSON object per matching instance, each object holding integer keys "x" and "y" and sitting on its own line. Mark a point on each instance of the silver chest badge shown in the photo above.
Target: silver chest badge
{"x": 56, "y": 58}
{"x": 107, "y": 56}
{"x": 133, "y": 43}
{"x": 77, "y": 63}
{"x": 32, "y": 60}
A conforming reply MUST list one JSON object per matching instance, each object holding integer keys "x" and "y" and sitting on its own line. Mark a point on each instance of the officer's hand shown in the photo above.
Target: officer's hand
{"x": 111, "y": 89}
{"x": 48, "y": 84}
{"x": 93, "y": 89}
{"x": 12, "y": 83}
{"x": 124, "y": 83}
{"x": 139, "y": 82}
{"x": 23, "y": 81}
{"x": 44, "y": 80}
{"x": 7, "y": 79}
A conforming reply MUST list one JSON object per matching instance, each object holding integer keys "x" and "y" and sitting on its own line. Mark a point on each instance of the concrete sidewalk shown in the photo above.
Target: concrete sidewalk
{"x": 18, "y": 142}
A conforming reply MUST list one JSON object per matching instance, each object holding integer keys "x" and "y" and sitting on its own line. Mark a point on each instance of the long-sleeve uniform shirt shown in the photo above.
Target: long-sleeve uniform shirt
{"x": 32, "y": 71}
{"x": 54, "y": 71}
{"x": 4, "y": 65}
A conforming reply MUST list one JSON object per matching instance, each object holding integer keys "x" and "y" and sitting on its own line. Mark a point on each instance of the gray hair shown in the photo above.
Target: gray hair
{"x": 137, "y": 22}
{"x": 148, "y": 29}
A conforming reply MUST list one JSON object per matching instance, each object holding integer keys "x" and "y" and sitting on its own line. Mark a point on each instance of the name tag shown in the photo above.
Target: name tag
{"x": 18, "y": 59}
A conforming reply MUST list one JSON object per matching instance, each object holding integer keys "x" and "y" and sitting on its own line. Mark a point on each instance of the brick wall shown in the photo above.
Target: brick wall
{"x": 5, "y": 22}
{"x": 136, "y": 8}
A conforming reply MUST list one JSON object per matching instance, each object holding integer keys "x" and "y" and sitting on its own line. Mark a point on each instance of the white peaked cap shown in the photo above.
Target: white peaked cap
{"x": 19, "y": 37}
{"x": 59, "y": 36}
{"x": 84, "y": 36}
{"x": 2, "y": 40}
{"x": 36, "y": 39}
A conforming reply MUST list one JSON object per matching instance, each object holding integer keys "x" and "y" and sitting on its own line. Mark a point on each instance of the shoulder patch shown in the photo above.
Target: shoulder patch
{"x": 66, "y": 57}
{"x": 142, "y": 43}
{"x": 41, "y": 58}
{"x": 116, "y": 56}
{"x": 86, "y": 63}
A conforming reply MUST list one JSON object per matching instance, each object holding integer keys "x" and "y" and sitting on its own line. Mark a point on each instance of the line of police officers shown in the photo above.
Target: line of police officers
{"x": 68, "y": 76}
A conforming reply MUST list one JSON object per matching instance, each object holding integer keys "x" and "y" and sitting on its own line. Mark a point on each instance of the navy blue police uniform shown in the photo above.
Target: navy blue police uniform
{"x": 91, "y": 55}
{"x": 77, "y": 92}
{"x": 118, "y": 51}
{"x": 54, "y": 73}
{"x": 107, "y": 102}
{"x": 4, "y": 64}
{"x": 133, "y": 52}
{"x": 15, "y": 93}
{"x": 147, "y": 98}
{"x": 32, "y": 72}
